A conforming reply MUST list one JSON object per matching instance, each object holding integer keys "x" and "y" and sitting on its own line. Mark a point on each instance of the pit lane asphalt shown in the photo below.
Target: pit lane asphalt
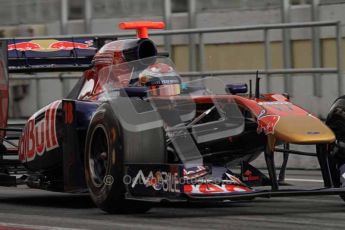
{"x": 24, "y": 208}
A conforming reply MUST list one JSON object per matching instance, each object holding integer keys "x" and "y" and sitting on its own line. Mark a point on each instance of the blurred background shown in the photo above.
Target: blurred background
{"x": 304, "y": 59}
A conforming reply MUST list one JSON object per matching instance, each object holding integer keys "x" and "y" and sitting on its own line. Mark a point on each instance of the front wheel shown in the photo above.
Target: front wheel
{"x": 336, "y": 122}
{"x": 107, "y": 144}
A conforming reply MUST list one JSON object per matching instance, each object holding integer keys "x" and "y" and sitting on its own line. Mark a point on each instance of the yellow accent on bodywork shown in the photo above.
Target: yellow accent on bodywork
{"x": 303, "y": 130}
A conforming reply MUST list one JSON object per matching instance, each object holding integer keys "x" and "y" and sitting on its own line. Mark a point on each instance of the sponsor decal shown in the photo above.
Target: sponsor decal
{"x": 267, "y": 124}
{"x": 262, "y": 113}
{"x": 251, "y": 176}
{"x": 171, "y": 182}
{"x": 24, "y": 46}
{"x": 248, "y": 176}
{"x": 282, "y": 107}
{"x": 312, "y": 133}
{"x": 159, "y": 180}
{"x": 195, "y": 172}
{"x": 50, "y": 45}
{"x": 39, "y": 137}
{"x": 67, "y": 45}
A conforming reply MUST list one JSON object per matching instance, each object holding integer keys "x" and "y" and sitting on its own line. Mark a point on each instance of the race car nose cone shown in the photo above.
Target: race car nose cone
{"x": 303, "y": 130}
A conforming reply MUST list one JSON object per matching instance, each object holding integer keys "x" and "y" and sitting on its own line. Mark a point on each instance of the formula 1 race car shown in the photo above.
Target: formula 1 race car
{"x": 132, "y": 133}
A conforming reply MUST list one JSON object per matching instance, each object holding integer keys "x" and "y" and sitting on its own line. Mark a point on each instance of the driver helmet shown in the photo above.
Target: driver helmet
{"x": 161, "y": 80}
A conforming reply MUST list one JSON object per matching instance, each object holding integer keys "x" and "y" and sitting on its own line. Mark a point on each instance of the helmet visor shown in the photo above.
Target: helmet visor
{"x": 165, "y": 90}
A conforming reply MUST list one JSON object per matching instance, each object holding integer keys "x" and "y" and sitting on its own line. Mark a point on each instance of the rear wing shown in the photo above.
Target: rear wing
{"x": 25, "y": 55}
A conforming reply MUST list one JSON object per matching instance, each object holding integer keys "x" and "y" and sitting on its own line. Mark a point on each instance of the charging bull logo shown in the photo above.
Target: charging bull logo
{"x": 39, "y": 137}
{"x": 50, "y": 45}
{"x": 267, "y": 123}
{"x": 24, "y": 46}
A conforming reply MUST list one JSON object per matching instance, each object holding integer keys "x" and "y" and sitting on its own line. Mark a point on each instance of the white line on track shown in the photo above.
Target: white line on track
{"x": 12, "y": 226}
{"x": 303, "y": 180}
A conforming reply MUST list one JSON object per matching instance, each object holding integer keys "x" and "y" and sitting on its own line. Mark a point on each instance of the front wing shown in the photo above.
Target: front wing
{"x": 167, "y": 182}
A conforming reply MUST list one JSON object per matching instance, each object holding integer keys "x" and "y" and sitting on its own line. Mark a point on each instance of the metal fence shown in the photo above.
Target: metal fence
{"x": 200, "y": 33}
{"x": 206, "y": 5}
{"x": 328, "y": 2}
{"x": 16, "y": 12}
{"x": 126, "y": 8}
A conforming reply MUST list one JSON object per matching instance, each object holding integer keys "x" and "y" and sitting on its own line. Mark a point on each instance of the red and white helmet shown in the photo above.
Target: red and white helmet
{"x": 161, "y": 79}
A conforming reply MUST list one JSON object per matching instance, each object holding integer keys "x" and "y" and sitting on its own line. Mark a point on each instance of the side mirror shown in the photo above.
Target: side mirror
{"x": 237, "y": 88}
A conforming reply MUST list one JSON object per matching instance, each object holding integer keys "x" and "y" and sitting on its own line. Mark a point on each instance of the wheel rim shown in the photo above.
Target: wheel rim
{"x": 98, "y": 155}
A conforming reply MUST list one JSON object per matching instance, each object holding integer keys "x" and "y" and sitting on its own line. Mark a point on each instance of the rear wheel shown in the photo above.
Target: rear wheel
{"x": 107, "y": 145}
{"x": 336, "y": 122}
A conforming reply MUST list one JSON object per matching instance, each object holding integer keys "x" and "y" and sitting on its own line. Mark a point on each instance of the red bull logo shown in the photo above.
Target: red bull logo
{"x": 248, "y": 176}
{"x": 24, "y": 46}
{"x": 267, "y": 123}
{"x": 39, "y": 137}
{"x": 67, "y": 45}
{"x": 50, "y": 45}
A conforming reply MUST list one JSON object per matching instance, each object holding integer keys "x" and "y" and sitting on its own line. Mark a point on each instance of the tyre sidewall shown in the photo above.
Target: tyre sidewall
{"x": 108, "y": 194}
